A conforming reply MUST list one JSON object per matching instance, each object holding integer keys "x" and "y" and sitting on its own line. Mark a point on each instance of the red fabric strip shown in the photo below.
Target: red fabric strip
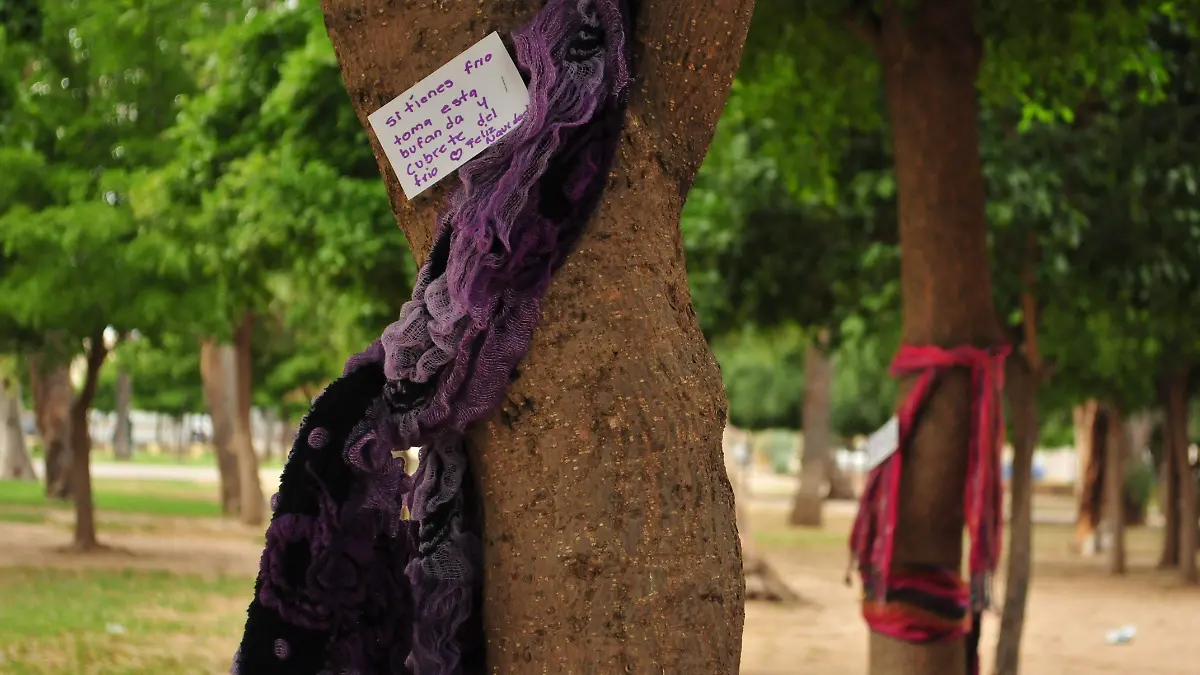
{"x": 872, "y": 540}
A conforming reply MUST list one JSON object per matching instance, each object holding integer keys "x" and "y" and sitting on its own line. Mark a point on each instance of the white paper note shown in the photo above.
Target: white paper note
{"x": 883, "y": 443}
{"x": 448, "y": 118}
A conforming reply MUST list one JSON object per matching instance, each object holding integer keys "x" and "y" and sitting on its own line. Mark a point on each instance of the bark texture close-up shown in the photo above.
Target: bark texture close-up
{"x": 610, "y": 543}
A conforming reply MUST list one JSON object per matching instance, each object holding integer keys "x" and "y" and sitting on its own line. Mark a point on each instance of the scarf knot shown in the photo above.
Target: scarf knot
{"x": 918, "y": 603}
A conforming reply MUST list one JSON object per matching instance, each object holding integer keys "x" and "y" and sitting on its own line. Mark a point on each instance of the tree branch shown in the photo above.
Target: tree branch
{"x": 96, "y": 353}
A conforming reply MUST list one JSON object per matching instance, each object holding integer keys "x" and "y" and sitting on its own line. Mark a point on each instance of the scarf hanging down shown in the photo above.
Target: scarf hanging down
{"x": 922, "y": 603}
{"x": 347, "y": 585}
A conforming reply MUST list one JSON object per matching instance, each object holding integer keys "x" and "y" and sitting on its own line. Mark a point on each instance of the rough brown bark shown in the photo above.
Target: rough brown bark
{"x": 1021, "y": 388}
{"x": 1114, "y": 492}
{"x": 15, "y": 462}
{"x": 220, "y": 399}
{"x": 1176, "y": 428}
{"x": 122, "y": 443}
{"x": 816, "y": 458}
{"x": 604, "y": 492}
{"x": 930, "y": 55}
{"x": 81, "y": 448}
{"x": 50, "y": 380}
{"x": 251, "y": 501}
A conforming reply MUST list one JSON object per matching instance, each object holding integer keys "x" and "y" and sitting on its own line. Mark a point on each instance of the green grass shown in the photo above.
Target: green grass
{"x": 22, "y": 516}
{"x": 203, "y": 458}
{"x": 160, "y": 498}
{"x": 121, "y": 622}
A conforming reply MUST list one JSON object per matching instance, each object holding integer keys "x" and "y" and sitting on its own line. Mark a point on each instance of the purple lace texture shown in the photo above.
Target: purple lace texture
{"x": 347, "y": 584}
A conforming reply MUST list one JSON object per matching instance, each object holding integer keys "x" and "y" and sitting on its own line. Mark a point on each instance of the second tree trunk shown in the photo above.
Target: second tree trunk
{"x": 930, "y": 57}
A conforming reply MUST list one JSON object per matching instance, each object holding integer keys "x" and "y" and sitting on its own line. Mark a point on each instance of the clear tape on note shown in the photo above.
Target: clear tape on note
{"x": 883, "y": 443}
{"x": 451, "y": 116}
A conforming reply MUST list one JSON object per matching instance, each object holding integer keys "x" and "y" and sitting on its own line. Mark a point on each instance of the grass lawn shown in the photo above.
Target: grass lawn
{"x": 117, "y": 622}
{"x": 160, "y": 498}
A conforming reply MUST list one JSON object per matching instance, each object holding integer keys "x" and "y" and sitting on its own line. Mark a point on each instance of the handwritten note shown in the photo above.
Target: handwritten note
{"x": 448, "y": 118}
{"x": 883, "y": 443}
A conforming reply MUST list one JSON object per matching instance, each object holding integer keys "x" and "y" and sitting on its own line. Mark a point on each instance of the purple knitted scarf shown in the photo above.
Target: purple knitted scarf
{"x": 347, "y": 585}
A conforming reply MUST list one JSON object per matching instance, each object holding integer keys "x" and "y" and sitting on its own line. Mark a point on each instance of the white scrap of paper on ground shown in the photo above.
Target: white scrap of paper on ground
{"x": 448, "y": 118}
{"x": 883, "y": 443}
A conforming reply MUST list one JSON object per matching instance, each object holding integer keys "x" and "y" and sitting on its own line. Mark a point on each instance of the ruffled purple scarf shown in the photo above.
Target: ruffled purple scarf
{"x": 347, "y": 584}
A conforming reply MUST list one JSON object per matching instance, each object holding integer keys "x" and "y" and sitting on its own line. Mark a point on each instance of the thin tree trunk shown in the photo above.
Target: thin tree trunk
{"x": 1085, "y": 417}
{"x": 930, "y": 55}
{"x": 617, "y": 416}
{"x": 817, "y": 454}
{"x": 81, "y": 448}
{"x": 1176, "y": 427}
{"x": 268, "y": 435}
{"x": 1169, "y": 500}
{"x": 1091, "y": 497}
{"x": 52, "y": 398}
{"x": 1114, "y": 489}
{"x": 122, "y": 443}
{"x": 251, "y": 501}
{"x": 1169, "y": 478}
{"x": 1023, "y": 375}
{"x": 15, "y": 462}
{"x": 220, "y": 398}
{"x": 1021, "y": 388}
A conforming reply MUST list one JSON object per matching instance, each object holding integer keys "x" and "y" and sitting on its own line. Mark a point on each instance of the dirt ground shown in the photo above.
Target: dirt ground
{"x": 1074, "y": 604}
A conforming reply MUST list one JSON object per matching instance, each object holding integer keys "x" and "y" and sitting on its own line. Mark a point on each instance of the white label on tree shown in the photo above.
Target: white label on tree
{"x": 448, "y": 118}
{"x": 883, "y": 443}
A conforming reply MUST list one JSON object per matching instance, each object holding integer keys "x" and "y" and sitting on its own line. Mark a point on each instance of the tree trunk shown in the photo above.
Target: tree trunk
{"x": 1085, "y": 418}
{"x": 1169, "y": 501}
{"x": 817, "y": 455}
{"x": 1021, "y": 388}
{"x": 269, "y": 434}
{"x": 1176, "y": 430}
{"x": 15, "y": 462}
{"x": 122, "y": 442}
{"x": 251, "y": 500}
{"x": 614, "y": 425}
{"x": 930, "y": 57}
{"x": 1091, "y": 496}
{"x": 1114, "y": 489}
{"x": 81, "y": 448}
{"x": 1170, "y": 475}
{"x": 220, "y": 399}
{"x": 52, "y": 399}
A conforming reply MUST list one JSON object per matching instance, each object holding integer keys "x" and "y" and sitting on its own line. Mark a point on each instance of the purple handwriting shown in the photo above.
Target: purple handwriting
{"x": 426, "y": 145}
{"x": 476, "y": 64}
{"x": 414, "y": 104}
